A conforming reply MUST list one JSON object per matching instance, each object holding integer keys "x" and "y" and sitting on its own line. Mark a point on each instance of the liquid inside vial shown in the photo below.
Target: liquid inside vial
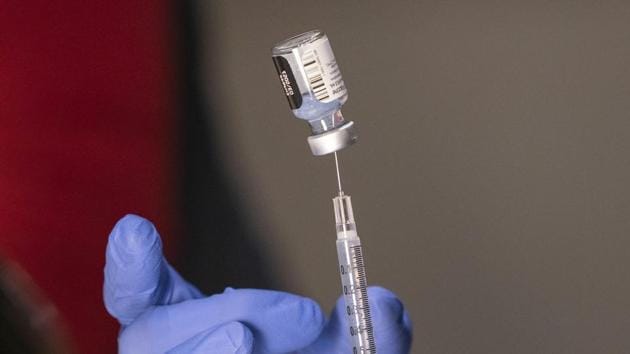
{"x": 311, "y": 80}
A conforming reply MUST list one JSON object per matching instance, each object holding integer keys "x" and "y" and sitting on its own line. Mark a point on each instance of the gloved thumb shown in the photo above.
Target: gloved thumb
{"x": 136, "y": 274}
{"x": 391, "y": 323}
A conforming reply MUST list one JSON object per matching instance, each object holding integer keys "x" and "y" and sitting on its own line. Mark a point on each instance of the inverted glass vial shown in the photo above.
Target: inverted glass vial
{"x": 312, "y": 82}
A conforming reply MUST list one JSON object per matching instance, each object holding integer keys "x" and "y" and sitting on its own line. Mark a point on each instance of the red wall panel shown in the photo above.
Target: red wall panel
{"x": 87, "y": 134}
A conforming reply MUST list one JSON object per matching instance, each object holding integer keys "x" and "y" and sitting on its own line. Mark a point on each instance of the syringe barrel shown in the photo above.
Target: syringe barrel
{"x": 354, "y": 287}
{"x": 353, "y": 278}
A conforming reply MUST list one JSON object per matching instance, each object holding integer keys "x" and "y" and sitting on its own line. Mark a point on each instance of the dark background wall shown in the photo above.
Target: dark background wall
{"x": 219, "y": 246}
{"x": 490, "y": 181}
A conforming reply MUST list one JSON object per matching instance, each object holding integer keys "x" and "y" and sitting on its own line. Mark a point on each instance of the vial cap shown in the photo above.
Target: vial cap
{"x": 332, "y": 140}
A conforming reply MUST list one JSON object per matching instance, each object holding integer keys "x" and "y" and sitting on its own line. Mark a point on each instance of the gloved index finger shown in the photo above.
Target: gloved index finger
{"x": 280, "y": 322}
{"x": 137, "y": 276}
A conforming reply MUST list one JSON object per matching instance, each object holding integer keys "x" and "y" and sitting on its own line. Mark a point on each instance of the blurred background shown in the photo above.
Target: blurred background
{"x": 489, "y": 181}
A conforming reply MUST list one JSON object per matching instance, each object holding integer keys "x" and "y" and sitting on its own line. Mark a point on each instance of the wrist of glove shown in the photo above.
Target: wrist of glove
{"x": 160, "y": 312}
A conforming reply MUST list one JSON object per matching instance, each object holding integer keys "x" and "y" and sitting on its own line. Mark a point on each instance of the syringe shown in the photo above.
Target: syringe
{"x": 312, "y": 83}
{"x": 352, "y": 271}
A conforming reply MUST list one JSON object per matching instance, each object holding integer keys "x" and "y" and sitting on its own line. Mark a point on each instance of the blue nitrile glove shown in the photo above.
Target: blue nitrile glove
{"x": 162, "y": 313}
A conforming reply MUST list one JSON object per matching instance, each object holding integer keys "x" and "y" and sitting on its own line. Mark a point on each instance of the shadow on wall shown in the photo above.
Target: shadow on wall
{"x": 220, "y": 247}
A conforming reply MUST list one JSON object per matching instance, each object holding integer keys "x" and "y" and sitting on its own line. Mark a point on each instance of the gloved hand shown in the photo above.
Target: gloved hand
{"x": 162, "y": 313}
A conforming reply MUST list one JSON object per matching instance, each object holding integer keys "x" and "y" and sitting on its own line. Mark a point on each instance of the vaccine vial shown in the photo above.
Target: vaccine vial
{"x": 312, "y": 82}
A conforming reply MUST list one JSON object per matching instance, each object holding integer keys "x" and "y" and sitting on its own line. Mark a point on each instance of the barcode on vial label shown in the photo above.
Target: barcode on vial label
{"x": 314, "y": 76}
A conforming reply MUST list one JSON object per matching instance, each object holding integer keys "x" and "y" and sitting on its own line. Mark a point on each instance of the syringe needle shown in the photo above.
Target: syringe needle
{"x": 338, "y": 174}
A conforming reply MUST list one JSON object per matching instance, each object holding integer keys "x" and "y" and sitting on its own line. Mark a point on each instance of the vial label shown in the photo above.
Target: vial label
{"x": 322, "y": 72}
{"x": 287, "y": 79}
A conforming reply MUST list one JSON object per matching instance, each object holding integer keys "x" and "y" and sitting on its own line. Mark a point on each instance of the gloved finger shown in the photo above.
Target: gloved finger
{"x": 280, "y": 322}
{"x": 232, "y": 338}
{"x": 136, "y": 274}
{"x": 391, "y": 323}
